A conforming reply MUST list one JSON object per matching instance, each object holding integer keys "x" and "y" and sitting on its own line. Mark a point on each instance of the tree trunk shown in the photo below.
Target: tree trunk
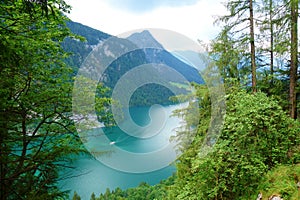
{"x": 294, "y": 58}
{"x": 271, "y": 41}
{"x": 252, "y": 46}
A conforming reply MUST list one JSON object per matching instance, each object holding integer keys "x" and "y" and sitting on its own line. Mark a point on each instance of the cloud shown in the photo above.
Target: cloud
{"x": 194, "y": 21}
{"x": 141, "y": 6}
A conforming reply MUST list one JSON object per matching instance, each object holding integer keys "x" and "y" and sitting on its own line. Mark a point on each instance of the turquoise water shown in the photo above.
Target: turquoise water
{"x": 91, "y": 175}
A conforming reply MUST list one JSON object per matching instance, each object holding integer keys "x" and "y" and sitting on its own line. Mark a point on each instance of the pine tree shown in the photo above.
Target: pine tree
{"x": 294, "y": 57}
{"x": 240, "y": 19}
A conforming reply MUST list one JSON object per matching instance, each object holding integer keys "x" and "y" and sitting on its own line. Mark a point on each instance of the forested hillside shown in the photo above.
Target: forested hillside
{"x": 257, "y": 155}
{"x": 79, "y": 48}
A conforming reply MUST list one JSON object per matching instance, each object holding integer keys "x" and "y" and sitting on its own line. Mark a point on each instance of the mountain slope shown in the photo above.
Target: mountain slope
{"x": 155, "y": 53}
{"x": 79, "y": 50}
{"x": 156, "y": 56}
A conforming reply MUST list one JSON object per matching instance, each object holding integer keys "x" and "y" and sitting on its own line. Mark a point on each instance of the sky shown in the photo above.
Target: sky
{"x": 192, "y": 18}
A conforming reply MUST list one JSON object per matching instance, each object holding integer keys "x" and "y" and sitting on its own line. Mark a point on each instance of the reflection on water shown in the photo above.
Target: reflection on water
{"x": 90, "y": 175}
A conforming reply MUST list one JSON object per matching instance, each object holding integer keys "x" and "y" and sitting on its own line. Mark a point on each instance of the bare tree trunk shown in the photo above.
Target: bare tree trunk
{"x": 252, "y": 46}
{"x": 271, "y": 41}
{"x": 294, "y": 58}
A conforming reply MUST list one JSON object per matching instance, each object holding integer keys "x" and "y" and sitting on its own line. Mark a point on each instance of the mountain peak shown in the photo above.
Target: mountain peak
{"x": 145, "y": 39}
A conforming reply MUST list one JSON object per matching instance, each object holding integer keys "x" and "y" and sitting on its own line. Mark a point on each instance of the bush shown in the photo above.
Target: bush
{"x": 257, "y": 136}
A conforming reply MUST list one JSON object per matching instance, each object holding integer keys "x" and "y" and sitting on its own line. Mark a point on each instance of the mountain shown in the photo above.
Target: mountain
{"x": 155, "y": 53}
{"x": 144, "y": 39}
{"x": 156, "y": 58}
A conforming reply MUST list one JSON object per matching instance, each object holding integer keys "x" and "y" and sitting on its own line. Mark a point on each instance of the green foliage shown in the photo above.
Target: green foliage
{"x": 88, "y": 97}
{"x": 257, "y": 136}
{"x": 93, "y": 196}
{"x": 282, "y": 181}
{"x": 226, "y": 54}
{"x": 279, "y": 89}
{"x": 259, "y": 143}
{"x": 196, "y": 116}
{"x": 142, "y": 192}
{"x": 76, "y": 196}
{"x": 37, "y": 136}
{"x": 150, "y": 94}
{"x": 258, "y": 150}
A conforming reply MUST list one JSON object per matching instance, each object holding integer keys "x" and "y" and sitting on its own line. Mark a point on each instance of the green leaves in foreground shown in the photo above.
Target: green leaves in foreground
{"x": 37, "y": 136}
{"x": 257, "y": 136}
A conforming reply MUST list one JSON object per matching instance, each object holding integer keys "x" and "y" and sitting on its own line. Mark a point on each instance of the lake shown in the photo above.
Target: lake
{"x": 142, "y": 157}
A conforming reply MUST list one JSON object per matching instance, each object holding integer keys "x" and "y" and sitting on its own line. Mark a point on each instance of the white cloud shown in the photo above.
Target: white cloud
{"x": 194, "y": 21}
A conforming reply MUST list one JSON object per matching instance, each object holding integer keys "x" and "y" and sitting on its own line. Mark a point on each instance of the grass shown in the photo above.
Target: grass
{"x": 282, "y": 181}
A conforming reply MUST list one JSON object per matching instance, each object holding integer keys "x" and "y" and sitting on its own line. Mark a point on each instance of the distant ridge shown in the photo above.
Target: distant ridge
{"x": 93, "y": 36}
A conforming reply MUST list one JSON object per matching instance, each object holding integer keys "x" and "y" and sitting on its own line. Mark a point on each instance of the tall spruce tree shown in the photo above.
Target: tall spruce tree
{"x": 294, "y": 57}
{"x": 240, "y": 23}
